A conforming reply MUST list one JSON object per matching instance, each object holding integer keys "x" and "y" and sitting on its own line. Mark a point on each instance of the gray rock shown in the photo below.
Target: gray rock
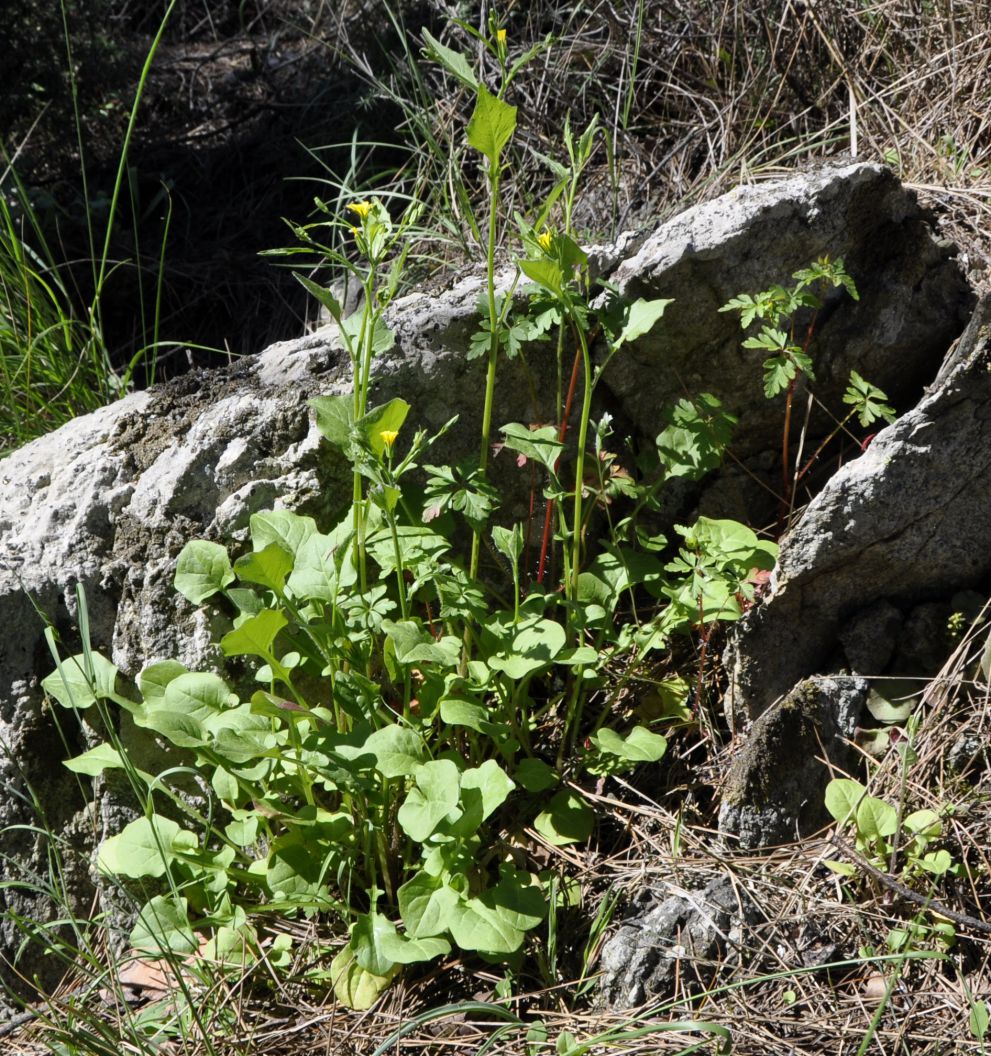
{"x": 108, "y": 501}
{"x": 775, "y": 787}
{"x": 910, "y": 519}
{"x": 869, "y": 638}
{"x": 688, "y": 928}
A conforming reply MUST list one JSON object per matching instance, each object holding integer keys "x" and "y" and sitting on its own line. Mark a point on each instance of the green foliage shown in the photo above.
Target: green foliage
{"x": 360, "y": 795}
{"x": 783, "y": 314}
{"x": 394, "y": 745}
{"x": 876, "y": 822}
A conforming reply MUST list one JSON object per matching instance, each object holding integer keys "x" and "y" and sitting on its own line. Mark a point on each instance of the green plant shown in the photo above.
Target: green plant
{"x": 787, "y": 318}
{"x": 411, "y": 723}
{"x": 876, "y": 823}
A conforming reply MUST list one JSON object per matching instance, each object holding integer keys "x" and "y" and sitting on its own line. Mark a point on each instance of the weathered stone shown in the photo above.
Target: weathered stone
{"x": 688, "y": 928}
{"x": 870, "y": 637}
{"x": 909, "y": 519}
{"x": 775, "y": 787}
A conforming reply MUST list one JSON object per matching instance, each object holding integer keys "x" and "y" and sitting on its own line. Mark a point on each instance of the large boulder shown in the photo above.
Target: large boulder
{"x": 107, "y": 501}
{"x": 908, "y": 521}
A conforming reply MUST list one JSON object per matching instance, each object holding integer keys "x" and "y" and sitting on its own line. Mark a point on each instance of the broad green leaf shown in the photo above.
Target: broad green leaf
{"x": 225, "y": 785}
{"x": 615, "y": 571}
{"x": 875, "y": 818}
{"x": 387, "y": 418}
{"x": 641, "y": 319}
{"x": 407, "y": 950}
{"x": 295, "y": 871}
{"x": 843, "y": 794}
{"x": 268, "y": 567}
{"x": 545, "y": 273}
{"x": 937, "y": 862}
{"x": 378, "y": 946}
{"x": 198, "y": 695}
{"x": 334, "y": 416}
{"x": 414, "y": 644}
{"x": 453, "y": 61}
{"x": 418, "y": 545}
{"x": 535, "y": 775}
{"x": 95, "y": 761}
{"x": 288, "y": 530}
{"x": 353, "y": 986}
{"x": 979, "y": 1019}
{"x": 143, "y": 848}
{"x": 255, "y": 636}
{"x": 693, "y": 442}
{"x": 639, "y": 745}
{"x": 534, "y": 646}
{"x": 474, "y": 925}
{"x": 367, "y": 936}
{"x": 241, "y": 744}
{"x": 70, "y": 686}
{"x": 490, "y": 783}
{"x": 497, "y": 920}
{"x": 163, "y": 927}
{"x": 315, "y": 574}
{"x": 434, "y": 797}
{"x": 509, "y": 542}
{"x": 201, "y": 570}
{"x": 397, "y": 751}
{"x": 567, "y": 819}
{"x": 840, "y": 868}
{"x": 243, "y": 831}
{"x": 924, "y": 823}
{"x": 456, "y": 712}
{"x": 184, "y": 731}
{"x": 425, "y": 904}
{"x": 155, "y": 677}
{"x": 885, "y": 710}
{"x": 492, "y": 124}
{"x": 382, "y": 338}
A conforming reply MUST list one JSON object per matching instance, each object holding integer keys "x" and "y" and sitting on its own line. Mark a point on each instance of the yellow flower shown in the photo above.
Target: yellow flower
{"x": 501, "y": 37}
{"x": 361, "y": 208}
{"x": 546, "y": 240}
{"x": 389, "y": 437}
{"x": 355, "y": 231}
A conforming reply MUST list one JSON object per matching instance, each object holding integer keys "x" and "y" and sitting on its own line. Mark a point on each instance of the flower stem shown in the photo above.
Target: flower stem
{"x": 576, "y": 542}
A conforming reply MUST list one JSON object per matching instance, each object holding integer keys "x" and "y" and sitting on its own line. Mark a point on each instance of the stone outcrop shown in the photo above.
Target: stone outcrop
{"x": 673, "y": 936}
{"x": 773, "y": 792}
{"x": 106, "y": 502}
{"x": 907, "y": 521}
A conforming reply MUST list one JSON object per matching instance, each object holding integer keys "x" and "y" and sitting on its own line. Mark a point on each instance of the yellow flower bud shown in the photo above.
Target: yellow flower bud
{"x": 389, "y": 437}
{"x": 501, "y": 37}
{"x": 361, "y": 208}
{"x": 546, "y": 240}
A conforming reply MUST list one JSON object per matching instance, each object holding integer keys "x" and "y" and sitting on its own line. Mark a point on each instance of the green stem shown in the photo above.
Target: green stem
{"x": 576, "y": 542}
{"x": 490, "y": 374}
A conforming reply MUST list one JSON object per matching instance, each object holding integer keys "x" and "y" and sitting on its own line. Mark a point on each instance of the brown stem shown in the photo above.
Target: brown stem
{"x": 818, "y": 451}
